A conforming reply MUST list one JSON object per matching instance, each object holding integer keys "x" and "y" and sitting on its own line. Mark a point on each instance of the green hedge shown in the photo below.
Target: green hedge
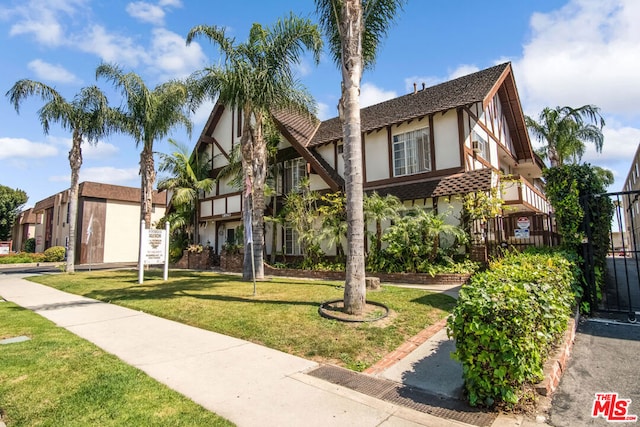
{"x": 506, "y": 320}
{"x": 21, "y": 258}
{"x": 54, "y": 254}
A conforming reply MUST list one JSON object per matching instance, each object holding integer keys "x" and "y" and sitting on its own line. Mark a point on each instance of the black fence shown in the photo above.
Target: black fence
{"x": 621, "y": 290}
{"x": 518, "y": 231}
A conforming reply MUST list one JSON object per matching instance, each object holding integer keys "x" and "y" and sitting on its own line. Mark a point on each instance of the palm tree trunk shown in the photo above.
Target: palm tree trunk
{"x": 75, "y": 162}
{"x": 351, "y": 29}
{"x": 148, "y": 177}
{"x": 246, "y": 150}
{"x": 259, "y": 179}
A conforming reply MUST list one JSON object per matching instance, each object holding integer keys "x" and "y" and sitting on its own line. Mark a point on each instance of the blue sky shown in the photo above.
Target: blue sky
{"x": 564, "y": 52}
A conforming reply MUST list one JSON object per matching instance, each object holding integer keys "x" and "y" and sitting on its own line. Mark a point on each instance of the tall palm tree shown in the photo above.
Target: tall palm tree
{"x": 148, "y": 115}
{"x": 564, "y": 130}
{"x": 257, "y": 77}
{"x": 88, "y": 117}
{"x": 354, "y": 29}
{"x": 188, "y": 178}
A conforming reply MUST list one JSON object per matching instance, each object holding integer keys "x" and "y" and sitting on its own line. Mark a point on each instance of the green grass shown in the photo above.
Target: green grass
{"x": 58, "y": 379}
{"x": 284, "y": 314}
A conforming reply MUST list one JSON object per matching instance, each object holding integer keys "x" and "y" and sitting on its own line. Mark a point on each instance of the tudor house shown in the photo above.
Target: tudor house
{"x": 427, "y": 147}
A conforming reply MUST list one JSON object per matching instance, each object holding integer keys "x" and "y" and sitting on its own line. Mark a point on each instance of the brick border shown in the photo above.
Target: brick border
{"x": 556, "y": 365}
{"x": 407, "y": 347}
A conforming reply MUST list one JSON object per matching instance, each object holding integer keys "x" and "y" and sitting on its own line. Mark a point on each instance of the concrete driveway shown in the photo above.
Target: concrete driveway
{"x": 605, "y": 359}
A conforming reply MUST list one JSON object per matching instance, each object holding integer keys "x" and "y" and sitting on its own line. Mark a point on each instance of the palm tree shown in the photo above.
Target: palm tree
{"x": 257, "y": 77}
{"x": 354, "y": 29}
{"x": 565, "y": 130}
{"x": 188, "y": 178}
{"x": 88, "y": 117}
{"x": 378, "y": 209}
{"x": 149, "y": 115}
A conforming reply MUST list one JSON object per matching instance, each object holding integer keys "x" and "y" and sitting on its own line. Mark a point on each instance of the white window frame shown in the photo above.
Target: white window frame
{"x": 483, "y": 145}
{"x": 411, "y": 152}
{"x": 295, "y": 170}
{"x": 291, "y": 243}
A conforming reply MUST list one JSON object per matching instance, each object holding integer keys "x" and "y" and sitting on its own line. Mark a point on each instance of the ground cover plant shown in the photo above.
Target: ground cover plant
{"x": 506, "y": 321}
{"x": 58, "y": 379}
{"x": 22, "y": 258}
{"x": 284, "y": 314}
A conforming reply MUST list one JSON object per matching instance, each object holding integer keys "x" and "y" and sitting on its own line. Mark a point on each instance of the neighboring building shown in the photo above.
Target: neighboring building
{"x": 427, "y": 148}
{"x": 23, "y": 229}
{"x": 108, "y": 227}
{"x": 631, "y": 203}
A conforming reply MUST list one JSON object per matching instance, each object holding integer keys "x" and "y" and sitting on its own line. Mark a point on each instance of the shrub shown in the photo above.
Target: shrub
{"x": 30, "y": 245}
{"x": 54, "y": 254}
{"x": 506, "y": 320}
{"x": 21, "y": 258}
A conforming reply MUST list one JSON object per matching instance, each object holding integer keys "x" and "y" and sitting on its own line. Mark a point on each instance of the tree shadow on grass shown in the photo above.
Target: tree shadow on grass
{"x": 188, "y": 286}
{"x": 436, "y": 300}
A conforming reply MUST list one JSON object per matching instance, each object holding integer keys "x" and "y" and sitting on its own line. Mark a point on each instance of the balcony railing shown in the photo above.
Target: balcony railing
{"x": 519, "y": 191}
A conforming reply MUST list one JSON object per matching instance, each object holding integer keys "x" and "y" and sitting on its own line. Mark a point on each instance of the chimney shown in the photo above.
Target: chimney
{"x": 424, "y": 85}
{"x": 415, "y": 87}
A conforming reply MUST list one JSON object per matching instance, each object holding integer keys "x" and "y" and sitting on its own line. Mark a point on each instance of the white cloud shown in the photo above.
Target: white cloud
{"x": 53, "y": 72}
{"x": 42, "y": 19}
{"x": 146, "y": 12}
{"x": 102, "y": 150}
{"x": 370, "y": 94}
{"x": 105, "y": 175}
{"x": 172, "y": 57}
{"x": 111, "y": 47}
{"x": 587, "y": 52}
{"x": 109, "y": 174}
{"x": 23, "y": 148}
{"x": 325, "y": 111}
{"x": 463, "y": 70}
{"x": 202, "y": 114}
{"x": 428, "y": 81}
{"x": 620, "y": 145}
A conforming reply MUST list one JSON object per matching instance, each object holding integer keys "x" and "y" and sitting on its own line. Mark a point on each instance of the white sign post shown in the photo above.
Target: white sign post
{"x": 154, "y": 249}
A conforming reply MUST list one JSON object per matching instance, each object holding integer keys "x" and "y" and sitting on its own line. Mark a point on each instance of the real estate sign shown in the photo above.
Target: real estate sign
{"x": 154, "y": 249}
{"x": 154, "y": 242}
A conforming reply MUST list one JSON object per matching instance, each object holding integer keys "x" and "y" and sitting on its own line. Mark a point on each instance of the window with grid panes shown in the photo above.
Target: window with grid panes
{"x": 411, "y": 152}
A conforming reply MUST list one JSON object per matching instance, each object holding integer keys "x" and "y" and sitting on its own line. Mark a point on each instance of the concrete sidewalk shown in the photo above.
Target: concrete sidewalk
{"x": 246, "y": 383}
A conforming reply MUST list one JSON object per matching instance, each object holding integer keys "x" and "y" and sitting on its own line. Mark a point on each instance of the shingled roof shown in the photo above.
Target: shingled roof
{"x": 103, "y": 191}
{"x": 462, "y": 183}
{"x": 451, "y": 94}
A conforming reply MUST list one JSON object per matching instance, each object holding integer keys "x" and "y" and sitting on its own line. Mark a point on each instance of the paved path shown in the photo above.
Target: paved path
{"x": 604, "y": 359}
{"x": 246, "y": 383}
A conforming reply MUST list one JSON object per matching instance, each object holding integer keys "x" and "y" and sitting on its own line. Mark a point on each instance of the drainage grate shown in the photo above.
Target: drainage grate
{"x": 410, "y": 397}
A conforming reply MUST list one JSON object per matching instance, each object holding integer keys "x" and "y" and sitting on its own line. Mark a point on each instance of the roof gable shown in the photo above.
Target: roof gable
{"x": 459, "y": 92}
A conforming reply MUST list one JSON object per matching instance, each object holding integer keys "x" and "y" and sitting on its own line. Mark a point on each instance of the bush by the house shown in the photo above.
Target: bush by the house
{"x": 506, "y": 320}
{"x": 54, "y": 254}
{"x": 30, "y": 245}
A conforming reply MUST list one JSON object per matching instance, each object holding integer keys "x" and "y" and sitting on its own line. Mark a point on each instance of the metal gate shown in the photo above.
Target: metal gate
{"x": 621, "y": 290}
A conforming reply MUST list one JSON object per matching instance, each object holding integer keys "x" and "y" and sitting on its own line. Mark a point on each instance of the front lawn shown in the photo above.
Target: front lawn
{"x": 284, "y": 314}
{"x": 58, "y": 379}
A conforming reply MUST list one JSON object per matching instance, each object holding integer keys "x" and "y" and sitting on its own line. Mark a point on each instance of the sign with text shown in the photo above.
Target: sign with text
{"x": 5, "y": 248}
{"x": 523, "y": 222}
{"x": 154, "y": 242}
{"x": 521, "y": 233}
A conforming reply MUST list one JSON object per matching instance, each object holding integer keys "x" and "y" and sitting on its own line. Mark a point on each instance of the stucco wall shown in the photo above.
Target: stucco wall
{"x": 122, "y": 230}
